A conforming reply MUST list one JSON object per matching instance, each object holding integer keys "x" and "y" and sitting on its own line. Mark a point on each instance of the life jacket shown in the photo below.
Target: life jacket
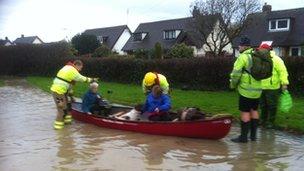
{"x": 65, "y": 80}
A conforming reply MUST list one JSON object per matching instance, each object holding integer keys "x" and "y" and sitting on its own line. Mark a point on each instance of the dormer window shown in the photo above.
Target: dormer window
{"x": 279, "y": 25}
{"x": 102, "y": 39}
{"x": 139, "y": 36}
{"x": 171, "y": 34}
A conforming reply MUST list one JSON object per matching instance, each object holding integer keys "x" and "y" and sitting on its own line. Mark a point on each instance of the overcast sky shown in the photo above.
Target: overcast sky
{"x": 54, "y": 20}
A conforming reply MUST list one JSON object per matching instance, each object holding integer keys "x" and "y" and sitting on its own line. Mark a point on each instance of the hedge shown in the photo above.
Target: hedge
{"x": 210, "y": 73}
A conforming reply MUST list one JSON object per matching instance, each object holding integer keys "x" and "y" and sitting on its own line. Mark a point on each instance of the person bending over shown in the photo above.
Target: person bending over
{"x": 61, "y": 84}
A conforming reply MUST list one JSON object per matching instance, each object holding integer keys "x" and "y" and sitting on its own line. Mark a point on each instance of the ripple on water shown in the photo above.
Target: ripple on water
{"x": 27, "y": 142}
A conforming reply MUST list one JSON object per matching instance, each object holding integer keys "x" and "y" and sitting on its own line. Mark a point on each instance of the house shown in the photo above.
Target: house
{"x": 28, "y": 40}
{"x": 171, "y": 32}
{"x": 5, "y": 42}
{"x": 113, "y": 37}
{"x": 285, "y": 28}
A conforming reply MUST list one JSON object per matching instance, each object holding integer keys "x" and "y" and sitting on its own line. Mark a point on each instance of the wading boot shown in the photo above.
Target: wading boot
{"x": 68, "y": 119}
{"x": 243, "y": 138}
{"x": 58, "y": 125}
{"x": 253, "y": 129}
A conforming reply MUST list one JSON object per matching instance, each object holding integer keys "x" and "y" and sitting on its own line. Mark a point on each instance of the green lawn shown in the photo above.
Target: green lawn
{"x": 211, "y": 102}
{"x": 1, "y": 83}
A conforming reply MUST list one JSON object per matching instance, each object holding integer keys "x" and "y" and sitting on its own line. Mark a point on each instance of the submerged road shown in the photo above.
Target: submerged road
{"x": 28, "y": 142}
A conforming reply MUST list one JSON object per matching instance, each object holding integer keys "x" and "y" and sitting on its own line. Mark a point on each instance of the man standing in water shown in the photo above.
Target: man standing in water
{"x": 249, "y": 90}
{"x": 60, "y": 87}
{"x": 272, "y": 88}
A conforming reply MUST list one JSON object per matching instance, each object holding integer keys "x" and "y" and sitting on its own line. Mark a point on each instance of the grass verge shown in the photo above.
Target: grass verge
{"x": 211, "y": 102}
{"x": 1, "y": 83}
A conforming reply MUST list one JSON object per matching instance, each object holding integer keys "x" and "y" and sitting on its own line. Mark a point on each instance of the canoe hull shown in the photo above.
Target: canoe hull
{"x": 206, "y": 129}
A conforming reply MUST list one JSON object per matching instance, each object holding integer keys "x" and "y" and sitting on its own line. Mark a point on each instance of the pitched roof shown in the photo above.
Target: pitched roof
{"x": 27, "y": 40}
{"x": 258, "y": 27}
{"x": 112, "y": 33}
{"x": 3, "y": 42}
{"x": 155, "y": 30}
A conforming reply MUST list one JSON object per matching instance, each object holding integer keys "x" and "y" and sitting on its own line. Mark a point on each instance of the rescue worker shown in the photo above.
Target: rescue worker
{"x": 249, "y": 90}
{"x": 60, "y": 87}
{"x": 153, "y": 78}
{"x": 272, "y": 88}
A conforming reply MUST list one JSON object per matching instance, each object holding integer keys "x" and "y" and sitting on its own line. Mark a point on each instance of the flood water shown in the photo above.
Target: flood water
{"x": 28, "y": 142}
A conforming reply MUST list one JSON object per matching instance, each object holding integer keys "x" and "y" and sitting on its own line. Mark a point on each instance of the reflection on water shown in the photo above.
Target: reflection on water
{"x": 28, "y": 142}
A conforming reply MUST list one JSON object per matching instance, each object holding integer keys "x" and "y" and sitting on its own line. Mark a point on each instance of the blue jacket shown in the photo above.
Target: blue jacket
{"x": 89, "y": 100}
{"x": 163, "y": 103}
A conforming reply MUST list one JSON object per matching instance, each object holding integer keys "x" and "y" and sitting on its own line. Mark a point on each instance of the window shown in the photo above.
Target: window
{"x": 279, "y": 25}
{"x": 295, "y": 51}
{"x": 282, "y": 24}
{"x": 278, "y": 51}
{"x": 101, "y": 39}
{"x": 104, "y": 39}
{"x": 272, "y": 24}
{"x": 170, "y": 34}
{"x": 137, "y": 36}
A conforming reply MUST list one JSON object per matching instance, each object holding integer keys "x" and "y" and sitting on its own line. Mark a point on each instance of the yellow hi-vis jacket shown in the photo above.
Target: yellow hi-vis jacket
{"x": 64, "y": 77}
{"x": 163, "y": 83}
{"x": 246, "y": 85}
{"x": 279, "y": 74}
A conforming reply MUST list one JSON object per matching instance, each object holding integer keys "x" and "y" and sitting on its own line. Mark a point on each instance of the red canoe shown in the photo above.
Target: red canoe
{"x": 216, "y": 128}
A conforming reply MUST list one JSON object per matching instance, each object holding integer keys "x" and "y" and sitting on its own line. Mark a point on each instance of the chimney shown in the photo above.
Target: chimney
{"x": 6, "y": 38}
{"x": 22, "y": 35}
{"x": 266, "y": 8}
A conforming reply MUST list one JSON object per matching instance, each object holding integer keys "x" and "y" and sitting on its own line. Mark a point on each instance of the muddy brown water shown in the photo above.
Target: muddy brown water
{"x": 28, "y": 142}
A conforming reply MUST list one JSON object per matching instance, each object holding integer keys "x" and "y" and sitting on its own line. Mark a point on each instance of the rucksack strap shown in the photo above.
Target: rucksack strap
{"x": 250, "y": 63}
{"x": 157, "y": 78}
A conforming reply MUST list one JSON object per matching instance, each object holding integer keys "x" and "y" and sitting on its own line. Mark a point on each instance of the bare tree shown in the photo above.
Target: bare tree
{"x": 229, "y": 18}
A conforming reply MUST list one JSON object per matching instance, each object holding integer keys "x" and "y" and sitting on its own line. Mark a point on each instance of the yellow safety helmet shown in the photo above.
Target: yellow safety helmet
{"x": 149, "y": 79}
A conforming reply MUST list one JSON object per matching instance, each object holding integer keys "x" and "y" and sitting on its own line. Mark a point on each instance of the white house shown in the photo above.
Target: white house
{"x": 284, "y": 28}
{"x": 28, "y": 40}
{"x": 171, "y": 32}
{"x": 113, "y": 37}
{"x": 5, "y": 42}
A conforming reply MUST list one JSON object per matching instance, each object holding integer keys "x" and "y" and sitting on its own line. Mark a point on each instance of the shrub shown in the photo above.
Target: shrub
{"x": 196, "y": 73}
{"x": 85, "y": 43}
{"x": 102, "y": 51}
{"x": 141, "y": 54}
{"x": 158, "y": 51}
{"x": 40, "y": 60}
{"x": 180, "y": 51}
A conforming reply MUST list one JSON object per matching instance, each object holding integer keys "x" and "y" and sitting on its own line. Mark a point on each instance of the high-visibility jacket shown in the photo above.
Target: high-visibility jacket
{"x": 279, "y": 74}
{"x": 64, "y": 78}
{"x": 246, "y": 85}
{"x": 163, "y": 83}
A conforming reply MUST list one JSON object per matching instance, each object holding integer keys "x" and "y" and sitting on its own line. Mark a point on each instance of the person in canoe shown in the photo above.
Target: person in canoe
{"x": 157, "y": 105}
{"x": 91, "y": 100}
{"x": 153, "y": 78}
{"x": 132, "y": 115}
{"x": 60, "y": 87}
{"x": 189, "y": 114}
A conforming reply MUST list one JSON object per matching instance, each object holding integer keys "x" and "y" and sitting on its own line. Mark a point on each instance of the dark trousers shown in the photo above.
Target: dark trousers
{"x": 100, "y": 110}
{"x": 269, "y": 105}
{"x": 160, "y": 117}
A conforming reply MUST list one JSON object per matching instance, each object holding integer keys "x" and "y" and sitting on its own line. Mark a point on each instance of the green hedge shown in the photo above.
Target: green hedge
{"x": 196, "y": 73}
